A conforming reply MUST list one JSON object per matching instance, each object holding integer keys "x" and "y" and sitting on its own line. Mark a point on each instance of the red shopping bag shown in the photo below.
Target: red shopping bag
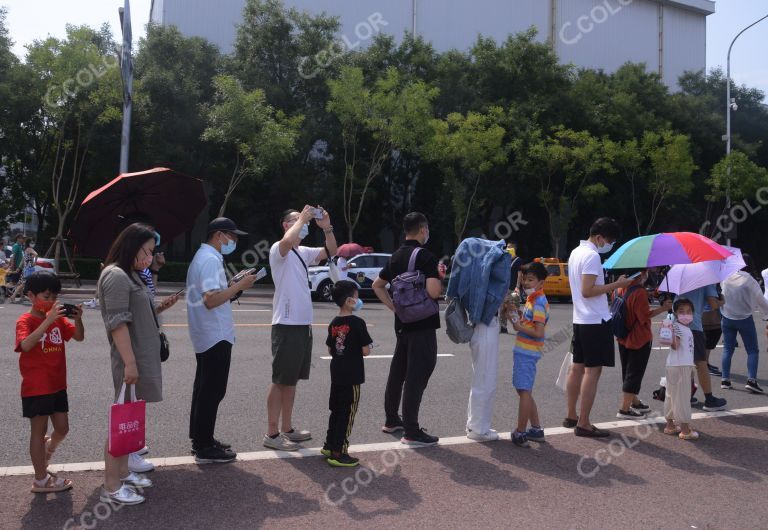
{"x": 126, "y": 424}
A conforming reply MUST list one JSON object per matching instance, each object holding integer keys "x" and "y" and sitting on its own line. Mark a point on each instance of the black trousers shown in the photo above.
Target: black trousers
{"x": 343, "y": 403}
{"x": 633, "y": 365}
{"x": 210, "y": 387}
{"x": 412, "y": 365}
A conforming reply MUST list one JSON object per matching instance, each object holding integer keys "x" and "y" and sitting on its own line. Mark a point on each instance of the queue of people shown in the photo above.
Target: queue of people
{"x": 483, "y": 274}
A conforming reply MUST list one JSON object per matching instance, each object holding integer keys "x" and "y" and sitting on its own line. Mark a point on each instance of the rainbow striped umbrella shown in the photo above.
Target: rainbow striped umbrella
{"x": 674, "y": 248}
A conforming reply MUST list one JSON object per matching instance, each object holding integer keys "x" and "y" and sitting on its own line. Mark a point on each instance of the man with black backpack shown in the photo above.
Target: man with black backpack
{"x": 631, "y": 318}
{"x": 416, "y": 283}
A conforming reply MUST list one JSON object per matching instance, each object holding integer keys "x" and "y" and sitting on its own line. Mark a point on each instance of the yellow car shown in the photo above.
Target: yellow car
{"x": 556, "y": 285}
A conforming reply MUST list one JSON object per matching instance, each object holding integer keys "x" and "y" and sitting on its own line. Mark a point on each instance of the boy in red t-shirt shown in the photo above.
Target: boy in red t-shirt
{"x": 40, "y": 338}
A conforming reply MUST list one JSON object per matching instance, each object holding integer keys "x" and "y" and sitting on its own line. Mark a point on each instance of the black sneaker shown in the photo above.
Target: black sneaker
{"x": 630, "y": 414}
{"x": 392, "y": 426}
{"x": 520, "y": 439}
{"x": 726, "y": 383}
{"x": 222, "y": 445}
{"x": 215, "y": 455}
{"x": 694, "y": 400}
{"x": 753, "y": 387}
{"x": 419, "y": 439}
{"x": 641, "y": 407}
{"x": 714, "y": 370}
{"x": 713, "y": 403}
{"x": 342, "y": 460}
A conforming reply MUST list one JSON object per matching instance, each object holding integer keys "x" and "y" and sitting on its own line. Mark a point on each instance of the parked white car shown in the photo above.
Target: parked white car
{"x": 41, "y": 264}
{"x": 363, "y": 269}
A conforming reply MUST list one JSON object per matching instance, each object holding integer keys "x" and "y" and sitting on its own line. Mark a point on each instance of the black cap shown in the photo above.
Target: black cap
{"x": 224, "y": 224}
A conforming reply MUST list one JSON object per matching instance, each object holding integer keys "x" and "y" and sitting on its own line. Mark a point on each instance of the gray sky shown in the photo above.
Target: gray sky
{"x": 31, "y": 19}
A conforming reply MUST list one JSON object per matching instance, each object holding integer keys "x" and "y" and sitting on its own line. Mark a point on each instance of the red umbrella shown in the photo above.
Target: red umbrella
{"x": 161, "y": 197}
{"x": 350, "y": 250}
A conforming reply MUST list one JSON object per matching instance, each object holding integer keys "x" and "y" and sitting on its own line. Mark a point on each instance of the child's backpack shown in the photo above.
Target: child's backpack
{"x": 409, "y": 294}
{"x": 619, "y": 313}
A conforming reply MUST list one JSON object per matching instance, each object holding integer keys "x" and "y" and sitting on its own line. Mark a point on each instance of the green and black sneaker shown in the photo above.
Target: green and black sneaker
{"x": 342, "y": 460}
{"x": 325, "y": 451}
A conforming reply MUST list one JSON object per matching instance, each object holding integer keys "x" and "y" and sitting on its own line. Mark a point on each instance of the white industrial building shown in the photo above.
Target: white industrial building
{"x": 669, "y": 36}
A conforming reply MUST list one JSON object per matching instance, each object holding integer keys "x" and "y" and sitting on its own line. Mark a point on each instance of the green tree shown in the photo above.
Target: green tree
{"x": 376, "y": 121}
{"x": 259, "y": 136}
{"x": 736, "y": 176}
{"x": 465, "y": 148}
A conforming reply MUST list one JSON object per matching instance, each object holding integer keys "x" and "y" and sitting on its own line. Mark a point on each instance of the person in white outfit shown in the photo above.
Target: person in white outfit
{"x": 677, "y": 404}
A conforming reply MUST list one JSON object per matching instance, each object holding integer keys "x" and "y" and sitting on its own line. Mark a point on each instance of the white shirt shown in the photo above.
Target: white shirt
{"x": 742, "y": 297}
{"x": 765, "y": 283}
{"x": 585, "y": 260}
{"x": 683, "y": 355}
{"x": 207, "y": 327}
{"x": 292, "y": 303}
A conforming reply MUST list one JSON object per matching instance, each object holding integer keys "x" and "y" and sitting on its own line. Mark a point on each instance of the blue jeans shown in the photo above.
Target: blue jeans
{"x": 745, "y": 328}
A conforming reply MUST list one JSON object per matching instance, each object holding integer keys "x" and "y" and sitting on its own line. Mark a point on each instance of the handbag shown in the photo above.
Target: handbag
{"x": 165, "y": 347}
{"x": 457, "y": 325}
{"x": 127, "y": 424}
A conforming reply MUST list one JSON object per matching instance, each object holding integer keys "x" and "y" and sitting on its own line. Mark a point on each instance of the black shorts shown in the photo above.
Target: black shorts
{"x": 713, "y": 337}
{"x": 699, "y": 346}
{"x": 593, "y": 345}
{"x": 291, "y": 353}
{"x": 45, "y": 405}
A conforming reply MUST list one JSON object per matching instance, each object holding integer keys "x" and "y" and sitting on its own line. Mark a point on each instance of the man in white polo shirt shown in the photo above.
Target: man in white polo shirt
{"x": 592, "y": 344}
{"x": 212, "y": 331}
{"x": 292, "y": 320}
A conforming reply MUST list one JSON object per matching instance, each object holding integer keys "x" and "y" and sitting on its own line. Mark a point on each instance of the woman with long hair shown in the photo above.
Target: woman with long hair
{"x": 131, "y": 322}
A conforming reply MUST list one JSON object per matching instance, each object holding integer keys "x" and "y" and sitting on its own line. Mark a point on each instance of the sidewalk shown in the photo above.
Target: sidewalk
{"x": 639, "y": 478}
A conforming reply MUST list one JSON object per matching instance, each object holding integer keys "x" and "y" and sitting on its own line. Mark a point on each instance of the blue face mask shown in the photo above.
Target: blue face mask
{"x": 304, "y": 231}
{"x": 358, "y": 305}
{"x": 228, "y": 247}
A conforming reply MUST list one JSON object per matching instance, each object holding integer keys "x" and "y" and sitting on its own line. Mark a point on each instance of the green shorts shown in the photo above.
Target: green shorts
{"x": 291, "y": 353}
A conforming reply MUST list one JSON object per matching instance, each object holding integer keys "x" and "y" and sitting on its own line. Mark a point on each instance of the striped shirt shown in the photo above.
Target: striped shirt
{"x": 536, "y": 310}
{"x": 146, "y": 277}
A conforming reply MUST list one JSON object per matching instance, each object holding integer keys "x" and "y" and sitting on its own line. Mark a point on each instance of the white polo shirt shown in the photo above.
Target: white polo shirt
{"x": 586, "y": 260}
{"x": 207, "y": 327}
{"x": 292, "y": 303}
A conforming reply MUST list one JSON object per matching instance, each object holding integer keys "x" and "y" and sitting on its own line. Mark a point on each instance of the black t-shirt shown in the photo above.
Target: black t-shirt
{"x": 426, "y": 262}
{"x": 347, "y": 336}
{"x": 517, "y": 264}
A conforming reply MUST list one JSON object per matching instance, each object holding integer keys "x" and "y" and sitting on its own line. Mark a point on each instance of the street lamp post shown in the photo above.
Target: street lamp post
{"x": 126, "y": 71}
{"x": 731, "y": 105}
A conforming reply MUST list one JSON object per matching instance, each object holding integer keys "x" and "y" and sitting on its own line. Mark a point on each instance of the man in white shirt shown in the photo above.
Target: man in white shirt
{"x": 212, "y": 331}
{"x": 592, "y": 345}
{"x": 292, "y": 320}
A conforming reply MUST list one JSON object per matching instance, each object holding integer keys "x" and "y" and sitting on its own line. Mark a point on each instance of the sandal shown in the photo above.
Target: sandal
{"x": 693, "y": 435}
{"x": 673, "y": 430}
{"x": 52, "y": 485}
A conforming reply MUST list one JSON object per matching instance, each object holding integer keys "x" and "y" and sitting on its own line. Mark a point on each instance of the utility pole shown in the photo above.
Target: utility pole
{"x": 126, "y": 72}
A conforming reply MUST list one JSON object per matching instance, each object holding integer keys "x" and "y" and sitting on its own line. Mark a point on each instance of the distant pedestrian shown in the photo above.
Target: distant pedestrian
{"x": 677, "y": 403}
{"x": 348, "y": 342}
{"x": 416, "y": 349}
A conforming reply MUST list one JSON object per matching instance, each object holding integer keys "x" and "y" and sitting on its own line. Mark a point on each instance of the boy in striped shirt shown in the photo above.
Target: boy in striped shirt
{"x": 530, "y": 339}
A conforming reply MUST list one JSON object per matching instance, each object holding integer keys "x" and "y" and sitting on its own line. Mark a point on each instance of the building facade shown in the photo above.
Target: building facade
{"x": 669, "y": 36}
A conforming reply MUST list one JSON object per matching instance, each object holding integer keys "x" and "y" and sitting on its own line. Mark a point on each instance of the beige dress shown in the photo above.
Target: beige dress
{"x": 126, "y": 300}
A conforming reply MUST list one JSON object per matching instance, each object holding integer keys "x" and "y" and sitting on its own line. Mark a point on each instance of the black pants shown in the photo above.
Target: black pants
{"x": 412, "y": 365}
{"x": 633, "y": 365}
{"x": 210, "y": 388}
{"x": 343, "y": 404}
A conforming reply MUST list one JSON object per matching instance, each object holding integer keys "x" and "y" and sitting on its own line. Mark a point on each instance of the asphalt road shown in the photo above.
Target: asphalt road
{"x": 242, "y": 416}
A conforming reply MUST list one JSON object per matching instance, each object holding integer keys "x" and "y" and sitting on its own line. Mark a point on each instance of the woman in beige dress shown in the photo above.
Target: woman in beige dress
{"x": 130, "y": 320}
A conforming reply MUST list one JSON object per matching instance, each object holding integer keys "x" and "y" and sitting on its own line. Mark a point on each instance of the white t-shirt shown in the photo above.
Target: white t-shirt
{"x": 292, "y": 303}
{"x": 683, "y": 355}
{"x": 585, "y": 260}
{"x": 207, "y": 327}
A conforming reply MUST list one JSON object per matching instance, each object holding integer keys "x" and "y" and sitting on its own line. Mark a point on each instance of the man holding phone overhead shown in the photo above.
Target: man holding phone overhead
{"x": 212, "y": 330}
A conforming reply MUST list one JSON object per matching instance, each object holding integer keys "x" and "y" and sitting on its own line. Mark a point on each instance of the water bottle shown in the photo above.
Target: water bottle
{"x": 666, "y": 332}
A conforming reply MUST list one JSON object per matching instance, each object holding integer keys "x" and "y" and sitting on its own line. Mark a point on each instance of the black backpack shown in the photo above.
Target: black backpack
{"x": 619, "y": 313}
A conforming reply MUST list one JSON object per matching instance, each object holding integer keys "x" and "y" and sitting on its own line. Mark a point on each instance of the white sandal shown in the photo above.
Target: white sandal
{"x": 51, "y": 484}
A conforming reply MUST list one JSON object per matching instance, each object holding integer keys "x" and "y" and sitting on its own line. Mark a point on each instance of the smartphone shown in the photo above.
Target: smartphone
{"x": 317, "y": 213}
{"x": 635, "y": 275}
{"x": 70, "y": 310}
{"x": 261, "y": 274}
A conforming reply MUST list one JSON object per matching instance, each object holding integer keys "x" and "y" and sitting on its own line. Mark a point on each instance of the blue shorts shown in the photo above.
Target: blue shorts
{"x": 524, "y": 370}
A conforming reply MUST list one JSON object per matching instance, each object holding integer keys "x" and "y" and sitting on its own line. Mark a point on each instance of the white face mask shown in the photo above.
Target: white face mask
{"x": 607, "y": 247}
{"x": 529, "y": 292}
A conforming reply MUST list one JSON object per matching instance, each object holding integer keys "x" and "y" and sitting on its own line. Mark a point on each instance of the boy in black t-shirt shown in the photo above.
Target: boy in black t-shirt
{"x": 348, "y": 342}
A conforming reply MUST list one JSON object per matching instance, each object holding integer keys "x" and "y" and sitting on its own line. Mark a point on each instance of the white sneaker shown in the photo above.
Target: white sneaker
{"x": 281, "y": 443}
{"x": 490, "y": 436}
{"x": 126, "y": 495}
{"x": 93, "y": 303}
{"x": 295, "y": 435}
{"x": 137, "y": 481}
{"x": 143, "y": 451}
{"x": 137, "y": 464}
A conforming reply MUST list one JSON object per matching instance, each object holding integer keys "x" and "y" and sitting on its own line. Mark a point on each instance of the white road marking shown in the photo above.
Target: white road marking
{"x": 667, "y": 347}
{"x": 364, "y": 448}
{"x": 327, "y": 358}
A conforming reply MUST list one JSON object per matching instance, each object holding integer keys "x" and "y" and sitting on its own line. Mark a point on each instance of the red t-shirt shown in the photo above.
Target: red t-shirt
{"x": 638, "y": 319}
{"x": 44, "y": 367}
